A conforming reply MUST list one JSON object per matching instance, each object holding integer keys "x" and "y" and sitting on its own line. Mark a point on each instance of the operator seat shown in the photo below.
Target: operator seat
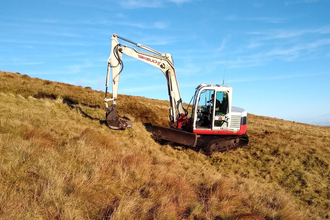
{"x": 224, "y": 105}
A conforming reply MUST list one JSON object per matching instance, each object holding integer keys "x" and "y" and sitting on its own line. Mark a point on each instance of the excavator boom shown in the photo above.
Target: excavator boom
{"x": 162, "y": 61}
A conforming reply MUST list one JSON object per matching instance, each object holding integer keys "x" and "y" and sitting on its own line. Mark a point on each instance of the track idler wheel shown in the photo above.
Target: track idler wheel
{"x": 114, "y": 121}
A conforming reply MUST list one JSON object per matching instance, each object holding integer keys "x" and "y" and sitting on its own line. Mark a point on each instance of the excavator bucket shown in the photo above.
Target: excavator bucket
{"x": 114, "y": 121}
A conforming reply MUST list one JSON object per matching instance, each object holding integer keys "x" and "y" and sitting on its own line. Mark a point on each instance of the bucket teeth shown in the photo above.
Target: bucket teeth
{"x": 114, "y": 121}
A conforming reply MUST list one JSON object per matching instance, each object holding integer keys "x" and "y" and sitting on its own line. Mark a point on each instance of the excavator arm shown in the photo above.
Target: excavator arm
{"x": 162, "y": 61}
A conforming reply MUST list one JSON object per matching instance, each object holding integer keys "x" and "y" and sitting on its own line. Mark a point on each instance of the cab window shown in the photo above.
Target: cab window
{"x": 222, "y": 103}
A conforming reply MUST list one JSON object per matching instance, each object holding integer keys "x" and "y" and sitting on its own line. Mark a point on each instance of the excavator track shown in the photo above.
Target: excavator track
{"x": 208, "y": 144}
{"x": 212, "y": 144}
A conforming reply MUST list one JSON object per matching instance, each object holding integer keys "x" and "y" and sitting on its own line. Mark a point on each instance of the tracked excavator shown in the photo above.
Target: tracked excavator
{"x": 214, "y": 124}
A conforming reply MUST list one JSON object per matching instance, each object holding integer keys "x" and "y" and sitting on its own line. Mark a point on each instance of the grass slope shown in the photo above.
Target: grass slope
{"x": 58, "y": 160}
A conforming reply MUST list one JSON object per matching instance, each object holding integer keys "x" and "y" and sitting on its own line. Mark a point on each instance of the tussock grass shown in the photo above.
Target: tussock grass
{"x": 291, "y": 155}
{"x": 58, "y": 160}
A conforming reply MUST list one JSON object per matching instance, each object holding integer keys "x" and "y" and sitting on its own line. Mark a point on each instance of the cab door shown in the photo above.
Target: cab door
{"x": 222, "y": 110}
{"x": 203, "y": 110}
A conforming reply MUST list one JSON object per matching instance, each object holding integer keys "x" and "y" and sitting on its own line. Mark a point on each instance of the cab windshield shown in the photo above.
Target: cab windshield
{"x": 210, "y": 106}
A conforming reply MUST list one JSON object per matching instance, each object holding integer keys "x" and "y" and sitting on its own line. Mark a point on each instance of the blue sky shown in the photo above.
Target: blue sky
{"x": 275, "y": 54}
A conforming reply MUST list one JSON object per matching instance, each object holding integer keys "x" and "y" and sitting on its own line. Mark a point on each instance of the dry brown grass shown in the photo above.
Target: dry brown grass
{"x": 58, "y": 160}
{"x": 291, "y": 155}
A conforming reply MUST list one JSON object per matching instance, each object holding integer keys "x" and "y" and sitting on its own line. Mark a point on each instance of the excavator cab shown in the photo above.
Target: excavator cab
{"x": 211, "y": 108}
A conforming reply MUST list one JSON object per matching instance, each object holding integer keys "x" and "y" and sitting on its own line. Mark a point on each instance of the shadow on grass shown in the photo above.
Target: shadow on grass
{"x": 72, "y": 104}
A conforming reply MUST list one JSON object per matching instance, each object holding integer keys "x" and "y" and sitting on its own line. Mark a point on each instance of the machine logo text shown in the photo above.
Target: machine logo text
{"x": 148, "y": 59}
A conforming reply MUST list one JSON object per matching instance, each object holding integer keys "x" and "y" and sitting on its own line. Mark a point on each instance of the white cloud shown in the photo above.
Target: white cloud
{"x": 290, "y": 33}
{"x": 293, "y": 52}
{"x": 286, "y": 44}
{"x": 231, "y": 18}
{"x": 154, "y": 25}
{"x": 179, "y": 2}
{"x": 287, "y": 3}
{"x": 160, "y": 25}
{"x": 310, "y": 1}
{"x": 269, "y": 19}
{"x": 254, "y": 44}
{"x": 189, "y": 70}
{"x": 156, "y": 40}
{"x": 279, "y": 77}
{"x": 222, "y": 46}
{"x": 275, "y": 20}
{"x": 29, "y": 42}
{"x": 73, "y": 69}
{"x": 135, "y": 90}
{"x": 21, "y": 63}
{"x": 133, "y": 4}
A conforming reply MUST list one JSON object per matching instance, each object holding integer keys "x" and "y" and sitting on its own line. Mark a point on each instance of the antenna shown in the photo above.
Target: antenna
{"x": 224, "y": 71}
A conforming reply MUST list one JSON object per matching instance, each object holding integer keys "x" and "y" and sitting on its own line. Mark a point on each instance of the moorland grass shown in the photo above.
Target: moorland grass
{"x": 60, "y": 161}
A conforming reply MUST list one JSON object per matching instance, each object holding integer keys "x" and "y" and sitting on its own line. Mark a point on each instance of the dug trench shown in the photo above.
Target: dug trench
{"x": 75, "y": 105}
{"x": 72, "y": 104}
{"x": 201, "y": 147}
